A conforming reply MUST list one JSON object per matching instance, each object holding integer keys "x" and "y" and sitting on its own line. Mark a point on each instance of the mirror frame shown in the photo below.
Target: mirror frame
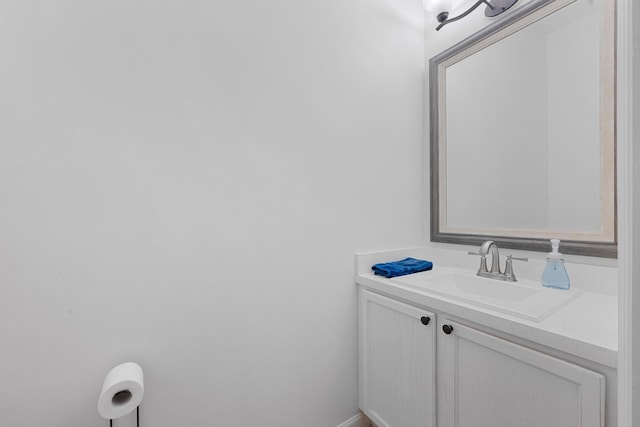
{"x": 516, "y": 20}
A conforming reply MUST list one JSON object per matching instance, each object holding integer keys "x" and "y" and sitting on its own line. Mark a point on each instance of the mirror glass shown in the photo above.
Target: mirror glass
{"x": 523, "y": 145}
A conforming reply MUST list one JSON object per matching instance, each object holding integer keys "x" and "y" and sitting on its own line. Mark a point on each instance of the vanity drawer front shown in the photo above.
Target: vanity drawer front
{"x": 486, "y": 381}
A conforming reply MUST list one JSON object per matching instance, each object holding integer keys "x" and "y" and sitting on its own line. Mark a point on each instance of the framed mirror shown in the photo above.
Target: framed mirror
{"x": 523, "y": 131}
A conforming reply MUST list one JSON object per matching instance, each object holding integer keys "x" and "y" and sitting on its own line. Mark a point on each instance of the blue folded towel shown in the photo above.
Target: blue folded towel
{"x": 402, "y": 267}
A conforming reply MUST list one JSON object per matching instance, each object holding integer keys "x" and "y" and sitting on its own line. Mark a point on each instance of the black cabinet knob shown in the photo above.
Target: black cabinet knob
{"x": 425, "y": 320}
{"x": 447, "y": 329}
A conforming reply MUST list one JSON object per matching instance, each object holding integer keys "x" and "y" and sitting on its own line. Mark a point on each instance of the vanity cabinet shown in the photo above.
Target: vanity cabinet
{"x": 477, "y": 379}
{"x": 397, "y": 362}
{"x": 485, "y": 381}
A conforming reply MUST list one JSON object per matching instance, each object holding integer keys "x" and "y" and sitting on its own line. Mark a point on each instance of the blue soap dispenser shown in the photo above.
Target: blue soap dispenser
{"x": 555, "y": 274}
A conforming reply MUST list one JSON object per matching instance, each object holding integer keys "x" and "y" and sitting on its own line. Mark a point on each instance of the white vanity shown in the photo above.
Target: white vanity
{"x": 431, "y": 355}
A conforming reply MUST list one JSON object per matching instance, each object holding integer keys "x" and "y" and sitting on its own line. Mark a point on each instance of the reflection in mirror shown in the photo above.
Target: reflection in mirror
{"x": 523, "y": 138}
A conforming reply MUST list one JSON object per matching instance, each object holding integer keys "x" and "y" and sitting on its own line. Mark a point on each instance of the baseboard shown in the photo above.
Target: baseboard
{"x": 353, "y": 421}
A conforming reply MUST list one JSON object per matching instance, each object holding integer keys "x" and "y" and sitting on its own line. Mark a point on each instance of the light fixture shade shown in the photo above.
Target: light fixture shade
{"x": 437, "y": 6}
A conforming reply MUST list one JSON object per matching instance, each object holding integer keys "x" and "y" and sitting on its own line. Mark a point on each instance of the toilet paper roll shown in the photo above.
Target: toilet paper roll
{"x": 122, "y": 391}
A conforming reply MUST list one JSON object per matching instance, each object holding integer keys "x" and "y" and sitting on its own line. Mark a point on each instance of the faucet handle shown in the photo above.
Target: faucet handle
{"x": 509, "y": 275}
{"x": 483, "y": 261}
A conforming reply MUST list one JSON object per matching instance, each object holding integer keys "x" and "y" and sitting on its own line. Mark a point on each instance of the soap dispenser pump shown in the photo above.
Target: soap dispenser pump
{"x": 555, "y": 274}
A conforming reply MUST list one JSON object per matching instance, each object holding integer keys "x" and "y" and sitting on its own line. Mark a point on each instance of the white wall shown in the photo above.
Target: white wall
{"x": 632, "y": 270}
{"x": 184, "y": 184}
{"x": 628, "y": 136}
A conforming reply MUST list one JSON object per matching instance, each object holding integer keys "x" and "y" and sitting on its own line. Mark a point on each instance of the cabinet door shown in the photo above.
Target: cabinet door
{"x": 397, "y": 362}
{"x": 485, "y": 381}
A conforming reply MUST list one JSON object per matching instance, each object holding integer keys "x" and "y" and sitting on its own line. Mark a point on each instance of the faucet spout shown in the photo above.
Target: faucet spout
{"x": 490, "y": 247}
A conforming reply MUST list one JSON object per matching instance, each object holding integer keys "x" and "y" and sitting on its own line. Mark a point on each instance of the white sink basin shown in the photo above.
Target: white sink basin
{"x": 525, "y": 299}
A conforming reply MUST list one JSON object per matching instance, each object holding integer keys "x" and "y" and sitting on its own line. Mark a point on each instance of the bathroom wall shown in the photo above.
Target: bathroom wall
{"x": 184, "y": 184}
{"x": 629, "y": 209}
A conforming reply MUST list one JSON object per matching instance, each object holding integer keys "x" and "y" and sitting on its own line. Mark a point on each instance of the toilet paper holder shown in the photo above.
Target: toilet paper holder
{"x": 137, "y": 418}
{"x": 122, "y": 392}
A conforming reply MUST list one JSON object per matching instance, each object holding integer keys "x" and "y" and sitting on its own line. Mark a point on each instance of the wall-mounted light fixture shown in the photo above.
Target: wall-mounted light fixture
{"x": 441, "y": 9}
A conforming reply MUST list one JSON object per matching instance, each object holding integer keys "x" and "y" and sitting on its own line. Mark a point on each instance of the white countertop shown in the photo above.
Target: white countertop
{"x": 586, "y": 327}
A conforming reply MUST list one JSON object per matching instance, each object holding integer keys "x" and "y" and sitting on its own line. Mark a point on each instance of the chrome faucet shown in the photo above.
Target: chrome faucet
{"x": 490, "y": 247}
